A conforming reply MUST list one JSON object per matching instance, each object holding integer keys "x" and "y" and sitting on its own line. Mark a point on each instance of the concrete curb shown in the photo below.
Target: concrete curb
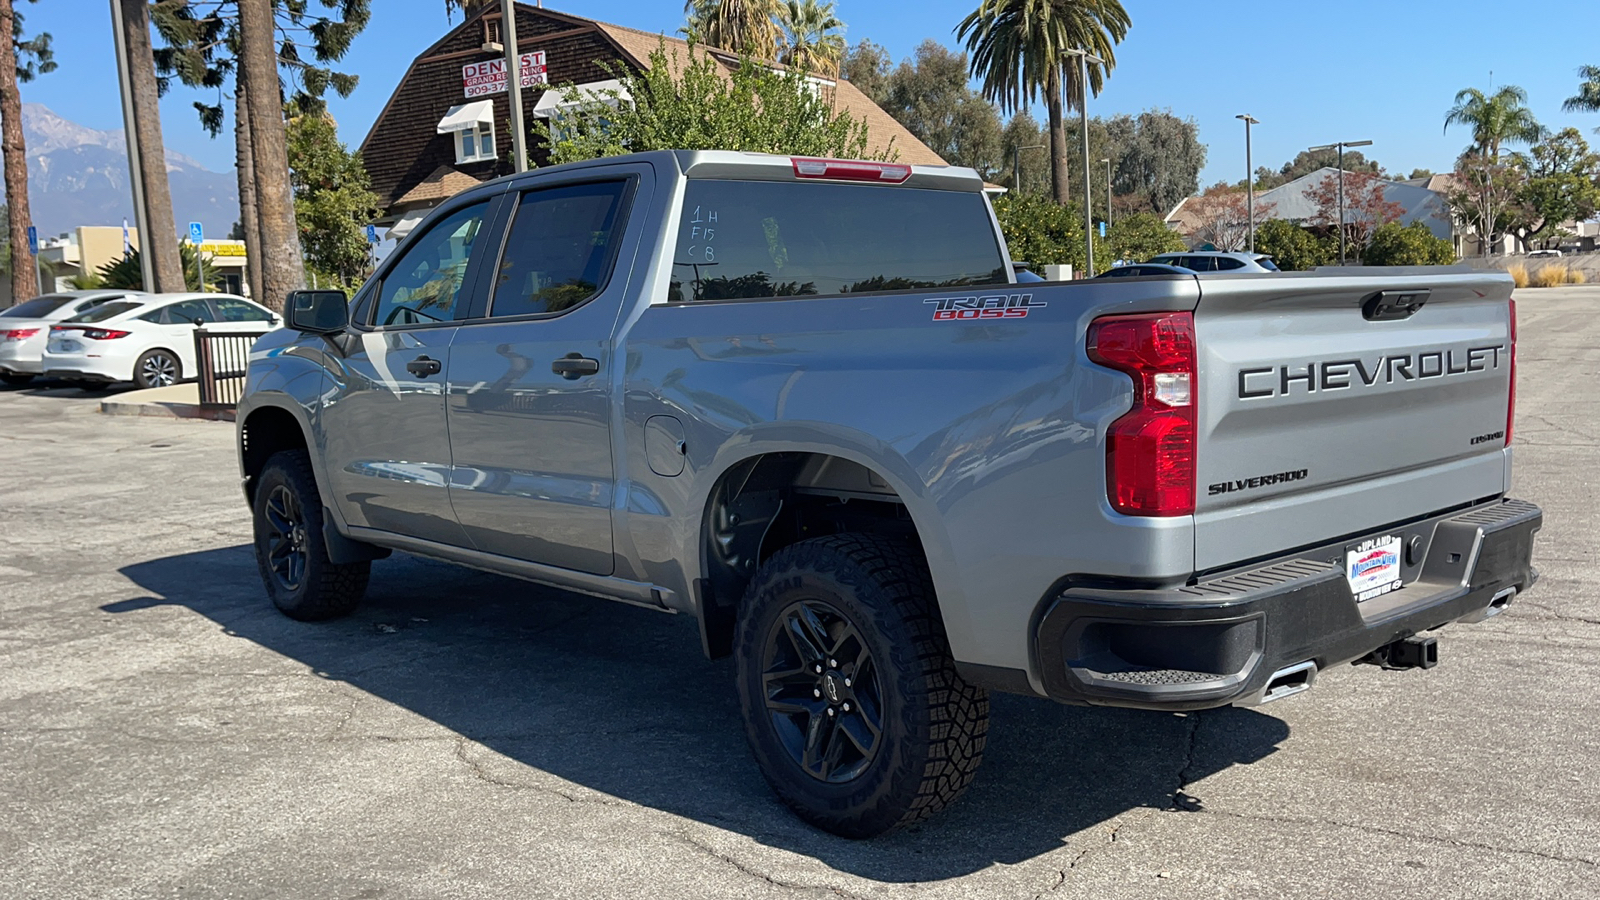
{"x": 178, "y": 401}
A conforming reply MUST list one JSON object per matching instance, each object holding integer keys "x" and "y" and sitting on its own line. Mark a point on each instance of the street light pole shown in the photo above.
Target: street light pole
{"x": 1084, "y": 58}
{"x": 1107, "y": 161}
{"x": 1340, "y": 146}
{"x": 508, "y": 33}
{"x": 1250, "y": 178}
{"x": 1016, "y": 164}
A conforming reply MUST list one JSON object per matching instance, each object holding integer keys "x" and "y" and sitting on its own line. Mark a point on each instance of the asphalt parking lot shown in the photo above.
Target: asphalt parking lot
{"x": 166, "y": 733}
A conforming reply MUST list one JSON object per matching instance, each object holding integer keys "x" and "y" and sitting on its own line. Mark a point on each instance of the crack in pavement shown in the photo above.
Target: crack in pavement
{"x": 1391, "y": 832}
{"x": 743, "y": 869}
{"x": 478, "y": 772}
{"x": 1181, "y": 800}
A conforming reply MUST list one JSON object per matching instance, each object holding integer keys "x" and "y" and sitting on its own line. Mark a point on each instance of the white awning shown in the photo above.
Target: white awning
{"x": 408, "y": 221}
{"x": 467, "y": 115}
{"x": 555, "y": 99}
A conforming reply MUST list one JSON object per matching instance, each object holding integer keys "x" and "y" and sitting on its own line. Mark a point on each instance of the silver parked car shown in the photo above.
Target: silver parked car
{"x": 1218, "y": 261}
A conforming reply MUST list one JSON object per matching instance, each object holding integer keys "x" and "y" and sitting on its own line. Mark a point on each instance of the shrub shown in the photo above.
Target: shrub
{"x": 1139, "y": 237}
{"x": 1576, "y": 276}
{"x": 1519, "y": 274}
{"x": 1550, "y": 276}
{"x": 1041, "y": 232}
{"x": 1293, "y": 248}
{"x": 1394, "y": 244}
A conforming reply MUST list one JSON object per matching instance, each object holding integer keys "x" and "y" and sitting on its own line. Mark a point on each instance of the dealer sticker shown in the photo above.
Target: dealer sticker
{"x": 1373, "y": 567}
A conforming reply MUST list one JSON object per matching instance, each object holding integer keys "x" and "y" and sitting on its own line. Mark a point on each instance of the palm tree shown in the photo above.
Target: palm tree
{"x": 1588, "y": 97}
{"x": 1502, "y": 117}
{"x": 31, "y": 58}
{"x": 742, "y": 26}
{"x": 1017, "y": 49}
{"x": 813, "y": 37}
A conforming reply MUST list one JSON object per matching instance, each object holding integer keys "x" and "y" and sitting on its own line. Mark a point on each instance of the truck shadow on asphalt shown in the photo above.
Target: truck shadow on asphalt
{"x": 620, "y": 700}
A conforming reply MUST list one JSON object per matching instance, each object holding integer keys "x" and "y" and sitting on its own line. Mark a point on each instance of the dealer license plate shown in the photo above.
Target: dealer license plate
{"x": 61, "y": 345}
{"x": 1373, "y": 567}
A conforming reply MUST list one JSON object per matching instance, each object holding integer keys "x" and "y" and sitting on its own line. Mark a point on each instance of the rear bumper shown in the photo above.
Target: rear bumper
{"x": 18, "y": 358}
{"x": 1220, "y": 641}
{"x": 81, "y": 367}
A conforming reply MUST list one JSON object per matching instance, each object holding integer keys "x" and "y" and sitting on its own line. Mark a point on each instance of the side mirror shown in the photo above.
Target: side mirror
{"x": 317, "y": 312}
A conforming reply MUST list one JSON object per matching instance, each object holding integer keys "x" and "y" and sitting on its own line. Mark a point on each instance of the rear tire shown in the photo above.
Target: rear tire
{"x": 16, "y": 380}
{"x": 157, "y": 368}
{"x": 852, "y": 705}
{"x": 291, "y": 552}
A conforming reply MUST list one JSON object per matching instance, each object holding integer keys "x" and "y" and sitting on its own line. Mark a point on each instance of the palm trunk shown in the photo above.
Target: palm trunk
{"x": 159, "y": 248}
{"x": 23, "y": 283}
{"x": 249, "y": 215}
{"x": 280, "y": 266}
{"x": 1060, "y": 185}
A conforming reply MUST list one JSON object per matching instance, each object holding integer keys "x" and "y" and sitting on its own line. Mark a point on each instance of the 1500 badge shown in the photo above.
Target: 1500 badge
{"x": 1002, "y": 306}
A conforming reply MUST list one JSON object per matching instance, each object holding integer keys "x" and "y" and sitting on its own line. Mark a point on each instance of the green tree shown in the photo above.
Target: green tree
{"x": 867, "y": 66}
{"x": 1141, "y": 236}
{"x": 333, "y": 200}
{"x": 747, "y": 27}
{"x": 1293, "y": 248}
{"x": 1307, "y": 161}
{"x": 1394, "y": 244}
{"x": 929, "y": 95}
{"x": 201, "y": 49}
{"x": 1485, "y": 200}
{"x": 1496, "y": 119}
{"x": 1561, "y": 185}
{"x": 1160, "y": 158}
{"x": 1023, "y": 145}
{"x": 1587, "y": 99}
{"x": 125, "y": 273}
{"x": 1018, "y": 51}
{"x": 1419, "y": 173}
{"x": 813, "y": 37}
{"x": 704, "y": 108}
{"x": 30, "y": 58}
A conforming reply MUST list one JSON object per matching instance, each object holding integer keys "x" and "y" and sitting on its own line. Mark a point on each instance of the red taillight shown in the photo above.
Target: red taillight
{"x": 18, "y": 334}
{"x": 850, "y": 170}
{"x": 93, "y": 334}
{"x": 1150, "y": 451}
{"x": 1511, "y": 399}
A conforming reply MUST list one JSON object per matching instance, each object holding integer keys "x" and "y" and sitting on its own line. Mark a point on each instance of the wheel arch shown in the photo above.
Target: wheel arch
{"x": 269, "y": 428}
{"x": 767, "y": 498}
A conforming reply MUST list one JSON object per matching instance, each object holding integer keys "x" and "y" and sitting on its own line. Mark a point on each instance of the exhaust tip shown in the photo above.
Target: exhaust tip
{"x": 1286, "y": 682}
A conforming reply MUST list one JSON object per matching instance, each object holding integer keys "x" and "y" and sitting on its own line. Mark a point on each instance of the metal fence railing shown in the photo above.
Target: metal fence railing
{"x": 224, "y": 359}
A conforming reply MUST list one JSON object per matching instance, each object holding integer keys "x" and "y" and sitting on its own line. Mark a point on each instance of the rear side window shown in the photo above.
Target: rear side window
{"x": 106, "y": 311}
{"x": 239, "y": 311}
{"x": 743, "y": 239}
{"x": 1225, "y": 263}
{"x": 1266, "y": 262}
{"x": 560, "y": 249}
{"x": 38, "y": 306}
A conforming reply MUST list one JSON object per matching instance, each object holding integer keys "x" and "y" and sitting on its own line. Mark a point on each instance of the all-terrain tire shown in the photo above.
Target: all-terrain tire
{"x": 932, "y": 723}
{"x": 319, "y": 588}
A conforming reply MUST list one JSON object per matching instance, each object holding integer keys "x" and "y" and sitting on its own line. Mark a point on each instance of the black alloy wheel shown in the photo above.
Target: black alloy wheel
{"x": 286, "y": 538}
{"x": 824, "y": 696}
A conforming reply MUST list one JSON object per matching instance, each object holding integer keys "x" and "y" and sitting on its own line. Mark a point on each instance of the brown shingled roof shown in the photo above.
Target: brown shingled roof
{"x": 444, "y": 183}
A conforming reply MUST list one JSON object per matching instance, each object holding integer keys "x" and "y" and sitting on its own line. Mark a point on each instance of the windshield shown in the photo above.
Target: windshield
{"x": 36, "y": 308}
{"x": 743, "y": 239}
{"x": 106, "y": 311}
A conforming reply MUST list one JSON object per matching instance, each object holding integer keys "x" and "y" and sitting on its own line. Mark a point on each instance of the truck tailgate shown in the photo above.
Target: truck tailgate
{"x": 1327, "y": 408}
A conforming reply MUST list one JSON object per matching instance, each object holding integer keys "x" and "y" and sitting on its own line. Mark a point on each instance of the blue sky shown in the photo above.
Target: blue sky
{"x": 1312, "y": 73}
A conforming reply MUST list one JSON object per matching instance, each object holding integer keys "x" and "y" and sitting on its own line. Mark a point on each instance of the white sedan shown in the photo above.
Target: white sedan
{"x": 25, "y": 328}
{"x": 148, "y": 340}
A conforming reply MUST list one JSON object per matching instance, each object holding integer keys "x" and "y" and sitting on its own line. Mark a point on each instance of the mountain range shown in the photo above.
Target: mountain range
{"x": 79, "y": 176}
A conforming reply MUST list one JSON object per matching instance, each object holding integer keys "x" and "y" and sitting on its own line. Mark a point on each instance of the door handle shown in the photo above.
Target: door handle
{"x": 574, "y": 366}
{"x": 423, "y": 366}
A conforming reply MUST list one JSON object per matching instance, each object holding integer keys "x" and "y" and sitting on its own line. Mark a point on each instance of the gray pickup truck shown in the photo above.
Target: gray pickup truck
{"x": 806, "y": 402}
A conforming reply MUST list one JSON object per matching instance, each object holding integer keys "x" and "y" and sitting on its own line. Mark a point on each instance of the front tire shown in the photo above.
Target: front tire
{"x": 852, "y": 704}
{"x": 291, "y": 552}
{"x": 157, "y": 368}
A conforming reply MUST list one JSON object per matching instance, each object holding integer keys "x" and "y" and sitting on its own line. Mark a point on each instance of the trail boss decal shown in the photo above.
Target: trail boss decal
{"x": 1343, "y": 374}
{"x": 1013, "y": 306}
